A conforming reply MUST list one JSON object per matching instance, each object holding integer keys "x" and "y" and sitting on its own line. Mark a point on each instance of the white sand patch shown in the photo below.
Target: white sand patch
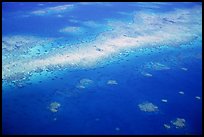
{"x": 91, "y": 23}
{"x": 146, "y": 74}
{"x": 86, "y": 3}
{"x": 181, "y": 92}
{"x": 167, "y": 126}
{"x": 80, "y": 86}
{"x": 71, "y": 29}
{"x": 197, "y": 97}
{"x": 51, "y": 10}
{"x": 61, "y": 8}
{"x": 95, "y": 3}
{"x": 112, "y": 82}
{"x": 147, "y": 5}
{"x": 164, "y": 100}
{"x": 185, "y": 69}
{"x": 39, "y": 12}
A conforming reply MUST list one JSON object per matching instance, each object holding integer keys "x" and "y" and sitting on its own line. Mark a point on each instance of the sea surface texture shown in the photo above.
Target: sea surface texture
{"x": 101, "y": 68}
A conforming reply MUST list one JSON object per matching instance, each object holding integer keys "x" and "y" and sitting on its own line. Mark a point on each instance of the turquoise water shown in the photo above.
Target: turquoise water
{"x": 99, "y": 62}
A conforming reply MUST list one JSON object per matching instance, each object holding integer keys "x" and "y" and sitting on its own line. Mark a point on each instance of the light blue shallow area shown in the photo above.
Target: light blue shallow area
{"x": 101, "y": 108}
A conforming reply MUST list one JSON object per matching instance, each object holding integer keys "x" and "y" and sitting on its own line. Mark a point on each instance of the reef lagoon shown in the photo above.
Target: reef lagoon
{"x": 101, "y": 68}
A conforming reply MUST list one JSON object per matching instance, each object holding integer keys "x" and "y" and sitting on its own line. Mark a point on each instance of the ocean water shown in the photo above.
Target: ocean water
{"x": 101, "y": 68}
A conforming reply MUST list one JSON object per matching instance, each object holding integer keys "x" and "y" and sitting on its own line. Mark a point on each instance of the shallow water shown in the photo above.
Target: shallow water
{"x": 98, "y": 77}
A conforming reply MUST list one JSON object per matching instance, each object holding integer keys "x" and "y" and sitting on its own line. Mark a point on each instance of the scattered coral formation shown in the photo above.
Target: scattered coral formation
{"x": 148, "y": 107}
{"x": 54, "y": 106}
{"x": 179, "y": 122}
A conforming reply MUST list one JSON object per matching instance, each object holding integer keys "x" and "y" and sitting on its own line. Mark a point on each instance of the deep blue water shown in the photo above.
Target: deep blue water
{"x": 101, "y": 108}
